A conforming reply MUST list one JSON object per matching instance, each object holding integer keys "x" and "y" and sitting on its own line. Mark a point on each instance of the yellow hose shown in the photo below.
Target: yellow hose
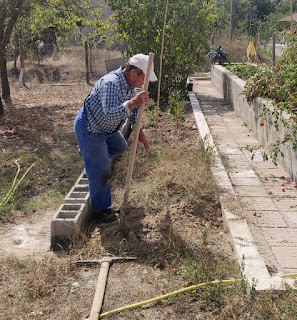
{"x": 165, "y": 296}
{"x": 15, "y": 184}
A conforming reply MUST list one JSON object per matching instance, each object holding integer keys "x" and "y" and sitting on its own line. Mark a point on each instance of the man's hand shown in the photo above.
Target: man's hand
{"x": 141, "y": 99}
{"x": 142, "y": 138}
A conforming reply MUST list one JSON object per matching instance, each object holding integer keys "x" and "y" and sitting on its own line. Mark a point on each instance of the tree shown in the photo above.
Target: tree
{"x": 1, "y": 108}
{"x": 9, "y": 13}
{"x": 44, "y": 22}
{"x": 140, "y": 25}
{"x": 37, "y": 20}
{"x": 232, "y": 15}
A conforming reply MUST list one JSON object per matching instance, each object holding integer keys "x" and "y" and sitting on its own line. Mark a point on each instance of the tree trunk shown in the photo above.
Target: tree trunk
{"x": 15, "y": 55}
{"x": 8, "y": 19}
{"x": 232, "y": 15}
{"x": 4, "y": 77}
{"x": 1, "y": 108}
{"x": 22, "y": 73}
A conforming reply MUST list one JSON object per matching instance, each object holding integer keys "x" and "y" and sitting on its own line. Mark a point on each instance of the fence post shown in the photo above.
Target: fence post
{"x": 87, "y": 62}
{"x": 273, "y": 48}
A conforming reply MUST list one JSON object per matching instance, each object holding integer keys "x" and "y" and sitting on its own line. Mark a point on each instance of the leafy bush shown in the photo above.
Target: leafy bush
{"x": 243, "y": 71}
{"x": 279, "y": 85}
{"x": 218, "y": 54}
{"x": 140, "y": 25}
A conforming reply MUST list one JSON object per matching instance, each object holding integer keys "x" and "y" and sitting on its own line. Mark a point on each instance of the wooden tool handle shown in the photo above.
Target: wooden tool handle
{"x": 100, "y": 290}
{"x": 136, "y": 132}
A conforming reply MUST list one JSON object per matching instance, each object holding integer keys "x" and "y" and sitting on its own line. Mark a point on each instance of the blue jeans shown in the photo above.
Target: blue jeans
{"x": 96, "y": 151}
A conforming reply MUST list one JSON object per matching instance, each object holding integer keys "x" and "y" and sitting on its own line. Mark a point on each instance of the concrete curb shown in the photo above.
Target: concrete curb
{"x": 70, "y": 220}
{"x": 252, "y": 266}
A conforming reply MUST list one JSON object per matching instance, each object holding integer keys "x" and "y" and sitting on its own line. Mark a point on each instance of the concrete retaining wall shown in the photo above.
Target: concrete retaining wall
{"x": 231, "y": 88}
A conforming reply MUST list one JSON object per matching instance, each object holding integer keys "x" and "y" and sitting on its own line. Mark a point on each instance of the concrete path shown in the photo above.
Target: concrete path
{"x": 264, "y": 191}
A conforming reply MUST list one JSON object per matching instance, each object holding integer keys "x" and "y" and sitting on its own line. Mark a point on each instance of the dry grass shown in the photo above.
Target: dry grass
{"x": 43, "y": 288}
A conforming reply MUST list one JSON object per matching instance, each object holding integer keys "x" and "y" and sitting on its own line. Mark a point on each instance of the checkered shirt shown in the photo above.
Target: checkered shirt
{"x": 107, "y": 104}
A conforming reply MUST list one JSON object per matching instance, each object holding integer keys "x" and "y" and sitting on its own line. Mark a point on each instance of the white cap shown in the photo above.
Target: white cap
{"x": 141, "y": 61}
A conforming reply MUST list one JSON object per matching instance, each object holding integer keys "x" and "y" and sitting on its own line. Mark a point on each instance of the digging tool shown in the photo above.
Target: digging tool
{"x": 105, "y": 262}
{"x": 123, "y": 225}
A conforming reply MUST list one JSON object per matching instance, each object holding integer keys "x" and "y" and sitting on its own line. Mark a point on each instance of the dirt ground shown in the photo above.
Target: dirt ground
{"x": 169, "y": 230}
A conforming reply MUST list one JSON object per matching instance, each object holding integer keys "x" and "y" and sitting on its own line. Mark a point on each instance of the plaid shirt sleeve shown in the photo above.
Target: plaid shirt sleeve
{"x": 112, "y": 108}
{"x": 107, "y": 104}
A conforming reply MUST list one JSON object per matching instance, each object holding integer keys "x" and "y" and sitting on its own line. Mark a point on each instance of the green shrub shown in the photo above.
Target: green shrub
{"x": 218, "y": 54}
{"x": 140, "y": 25}
{"x": 279, "y": 85}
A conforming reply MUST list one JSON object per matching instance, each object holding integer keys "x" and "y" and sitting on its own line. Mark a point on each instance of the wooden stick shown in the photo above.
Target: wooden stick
{"x": 100, "y": 290}
{"x": 134, "y": 147}
{"x": 161, "y": 62}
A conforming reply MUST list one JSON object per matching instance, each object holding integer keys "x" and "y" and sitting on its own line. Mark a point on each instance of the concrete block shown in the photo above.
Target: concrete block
{"x": 77, "y": 197}
{"x": 273, "y": 283}
{"x": 269, "y": 219}
{"x": 286, "y": 256}
{"x": 79, "y": 193}
{"x": 246, "y": 250}
{"x": 68, "y": 223}
{"x": 247, "y": 191}
{"x": 291, "y": 218}
{"x": 258, "y": 203}
{"x": 276, "y": 237}
{"x": 239, "y": 181}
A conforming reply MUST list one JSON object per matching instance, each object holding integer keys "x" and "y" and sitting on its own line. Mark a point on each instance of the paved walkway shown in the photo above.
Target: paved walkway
{"x": 265, "y": 192}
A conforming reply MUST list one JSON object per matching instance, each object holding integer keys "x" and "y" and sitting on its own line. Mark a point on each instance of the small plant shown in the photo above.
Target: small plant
{"x": 176, "y": 107}
{"x": 253, "y": 151}
{"x": 218, "y": 54}
{"x": 150, "y": 110}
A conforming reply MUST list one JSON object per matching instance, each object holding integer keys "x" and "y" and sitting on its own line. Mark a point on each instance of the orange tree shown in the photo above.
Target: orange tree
{"x": 140, "y": 25}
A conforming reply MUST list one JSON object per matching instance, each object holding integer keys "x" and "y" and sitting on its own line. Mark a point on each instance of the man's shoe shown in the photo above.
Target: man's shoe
{"x": 105, "y": 216}
{"x": 110, "y": 211}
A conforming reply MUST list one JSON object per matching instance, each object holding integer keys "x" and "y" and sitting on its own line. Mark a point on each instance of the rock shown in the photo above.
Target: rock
{"x": 75, "y": 285}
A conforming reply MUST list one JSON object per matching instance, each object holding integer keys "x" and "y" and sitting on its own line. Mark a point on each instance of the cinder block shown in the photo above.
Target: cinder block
{"x": 68, "y": 223}
{"x": 81, "y": 188}
{"x": 78, "y": 194}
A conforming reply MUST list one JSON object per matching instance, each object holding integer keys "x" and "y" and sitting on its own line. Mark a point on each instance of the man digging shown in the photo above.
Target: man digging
{"x": 98, "y": 123}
